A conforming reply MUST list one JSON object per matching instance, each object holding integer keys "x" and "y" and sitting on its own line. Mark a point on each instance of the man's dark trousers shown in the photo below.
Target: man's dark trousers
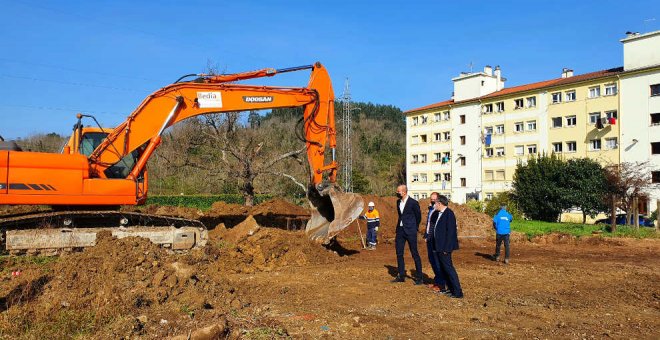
{"x": 435, "y": 265}
{"x": 449, "y": 273}
{"x": 499, "y": 238}
{"x": 399, "y": 242}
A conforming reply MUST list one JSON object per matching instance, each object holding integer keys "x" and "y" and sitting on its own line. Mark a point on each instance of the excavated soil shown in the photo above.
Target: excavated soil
{"x": 257, "y": 282}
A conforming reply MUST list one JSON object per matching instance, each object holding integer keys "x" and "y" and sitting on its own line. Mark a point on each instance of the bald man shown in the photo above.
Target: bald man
{"x": 407, "y": 226}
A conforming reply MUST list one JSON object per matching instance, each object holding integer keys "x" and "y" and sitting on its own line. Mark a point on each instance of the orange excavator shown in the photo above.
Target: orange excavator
{"x": 100, "y": 169}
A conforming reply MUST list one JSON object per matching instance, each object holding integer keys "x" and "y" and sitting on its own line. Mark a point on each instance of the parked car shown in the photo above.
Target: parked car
{"x": 644, "y": 221}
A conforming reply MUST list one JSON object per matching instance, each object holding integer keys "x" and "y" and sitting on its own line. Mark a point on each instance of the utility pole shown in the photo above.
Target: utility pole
{"x": 347, "y": 153}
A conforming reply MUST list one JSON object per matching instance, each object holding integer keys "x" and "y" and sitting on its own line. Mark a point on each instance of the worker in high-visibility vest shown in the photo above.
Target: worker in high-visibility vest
{"x": 373, "y": 222}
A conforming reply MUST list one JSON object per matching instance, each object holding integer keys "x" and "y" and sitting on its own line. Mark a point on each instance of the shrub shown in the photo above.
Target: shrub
{"x": 493, "y": 205}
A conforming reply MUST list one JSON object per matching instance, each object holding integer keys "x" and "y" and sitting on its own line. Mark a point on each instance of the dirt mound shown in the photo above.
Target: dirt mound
{"x": 6, "y": 210}
{"x": 279, "y": 207}
{"x": 221, "y": 208}
{"x": 122, "y": 289}
{"x": 555, "y": 238}
{"x": 471, "y": 224}
{"x": 249, "y": 248}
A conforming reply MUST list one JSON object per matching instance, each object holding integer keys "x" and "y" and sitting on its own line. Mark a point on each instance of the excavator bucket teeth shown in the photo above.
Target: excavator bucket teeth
{"x": 333, "y": 210}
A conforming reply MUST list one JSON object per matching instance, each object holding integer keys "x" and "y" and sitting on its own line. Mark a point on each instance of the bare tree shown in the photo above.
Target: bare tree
{"x": 627, "y": 182}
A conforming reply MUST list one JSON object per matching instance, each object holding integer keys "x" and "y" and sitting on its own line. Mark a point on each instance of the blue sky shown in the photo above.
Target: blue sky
{"x": 105, "y": 57}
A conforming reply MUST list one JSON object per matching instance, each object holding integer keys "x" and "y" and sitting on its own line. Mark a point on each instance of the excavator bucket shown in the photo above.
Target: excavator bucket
{"x": 333, "y": 210}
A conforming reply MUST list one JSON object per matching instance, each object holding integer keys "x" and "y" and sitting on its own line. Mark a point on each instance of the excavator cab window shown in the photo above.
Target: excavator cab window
{"x": 123, "y": 168}
{"x": 90, "y": 141}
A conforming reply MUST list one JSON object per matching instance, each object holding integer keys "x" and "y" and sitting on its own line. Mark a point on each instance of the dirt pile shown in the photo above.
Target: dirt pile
{"x": 279, "y": 207}
{"x": 120, "y": 289}
{"x": 249, "y": 248}
{"x": 471, "y": 224}
{"x": 221, "y": 208}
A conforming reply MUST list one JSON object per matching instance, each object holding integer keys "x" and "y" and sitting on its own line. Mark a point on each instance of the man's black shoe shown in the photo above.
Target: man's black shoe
{"x": 455, "y": 296}
{"x": 444, "y": 291}
{"x": 419, "y": 281}
{"x": 398, "y": 279}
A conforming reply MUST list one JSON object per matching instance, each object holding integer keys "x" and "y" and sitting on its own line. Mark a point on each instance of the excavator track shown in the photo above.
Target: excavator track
{"x": 52, "y": 232}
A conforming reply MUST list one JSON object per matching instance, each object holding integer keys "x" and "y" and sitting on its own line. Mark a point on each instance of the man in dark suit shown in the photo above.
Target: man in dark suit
{"x": 407, "y": 225}
{"x": 438, "y": 279}
{"x": 445, "y": 241}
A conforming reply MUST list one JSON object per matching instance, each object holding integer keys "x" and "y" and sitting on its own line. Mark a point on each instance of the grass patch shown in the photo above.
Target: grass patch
{"x": 537, "y": 228}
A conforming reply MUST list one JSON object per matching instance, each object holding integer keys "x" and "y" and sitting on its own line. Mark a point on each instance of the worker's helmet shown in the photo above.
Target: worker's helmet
{"x": 371, "y": 204}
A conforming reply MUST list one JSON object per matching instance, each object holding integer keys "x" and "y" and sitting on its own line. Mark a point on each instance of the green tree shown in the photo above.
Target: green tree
{"x": 537, "y": 188}
{"x": 585, "y": 186}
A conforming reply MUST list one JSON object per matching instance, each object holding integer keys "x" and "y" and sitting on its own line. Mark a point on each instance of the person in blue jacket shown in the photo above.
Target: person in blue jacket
{"x": 502, "y": 224}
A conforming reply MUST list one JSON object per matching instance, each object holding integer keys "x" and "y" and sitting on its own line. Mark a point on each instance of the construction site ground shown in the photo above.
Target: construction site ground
{"x": 258, "y": 282}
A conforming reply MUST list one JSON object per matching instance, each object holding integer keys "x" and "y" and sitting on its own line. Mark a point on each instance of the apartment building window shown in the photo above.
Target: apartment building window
{"x": 416, "y": 196}
{"x": 556, "y": 147}
{"x": 489, "y": 129}
{"x": 571, "y": 120}
{"x": 518, "y": 103}
{"x": 499, "y": 129}
{"x": 462, "y": 119}
{"x": 415, "y": 178}
{"x": 437, "y": 157}
{"x": 611, "y": 143}
{"x": 556, "y": 122}
{"x": 462, "y": 161}
{"x": 594, "y": 117}
{"x": 425, "y": 119}
{"x": 655, "y": 148}
{"x": 437, "y": 137}
{"x": 446, "y": 135}
{"x": 570, "y": 96}
{"x": 446, "y": 157}
{"x": 424, "y": 195}
{"x": 499, "y": 152}
{"x": 422, "y": 138}
{"x": 415, "y": 159}
{"x": 519, "y": 126}
{"x": 436, "y": 117}
{"x": 531, "y": 149}
{"x": 655, "y": 118}
{"x": 415, "y": 121}
{"x": 500, "y": 106}
{"x": 611, "y": 114}
{"x": 531, "y": 101}
{"x": 655, "y": 176}
{"x": 488, "y": 108}
{"x": 422, "y": 158}
{"x": 415, "y": 139}
{"x": 437, "y": 177}
{"x": 422, "y": 178}
{"x": 488, "y": 175}
{"x": 594, "y": 144}
{"x": 463, "y": 182}
{"x": 594, "y": 92}
{"x": 499, "y": 175}
{"x": 531, "y": 125}
{"x": 446, "y": 115}
{"x": 519, "y": 150}
{"x": 462, "y": 140}
{"x": 571, "y": 146}
{"x": 489, "y": 196}
{"x": 610, "y": 89}
{"x": 447, "y": 176}
{"x": 489, "y": 152}
{"x": 556, "y": 97}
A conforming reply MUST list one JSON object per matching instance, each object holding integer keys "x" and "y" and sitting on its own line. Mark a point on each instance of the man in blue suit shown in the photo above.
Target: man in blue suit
{"x": 407, "y": 226}
{"x": 438, "y": 279}
{"x": 445, "y": 237}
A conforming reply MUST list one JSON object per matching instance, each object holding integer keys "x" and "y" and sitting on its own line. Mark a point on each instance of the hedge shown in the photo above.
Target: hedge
{"x": 203, "y": 202}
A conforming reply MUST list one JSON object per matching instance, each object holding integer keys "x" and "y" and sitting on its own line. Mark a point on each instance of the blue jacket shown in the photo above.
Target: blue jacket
{"x": 502, "y": 222}
{"x": 411, "y": 217}
{"x": 445, "y": 233}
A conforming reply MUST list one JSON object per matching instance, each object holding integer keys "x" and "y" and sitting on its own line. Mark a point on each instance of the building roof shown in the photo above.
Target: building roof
{"x": 530, "y": 87}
